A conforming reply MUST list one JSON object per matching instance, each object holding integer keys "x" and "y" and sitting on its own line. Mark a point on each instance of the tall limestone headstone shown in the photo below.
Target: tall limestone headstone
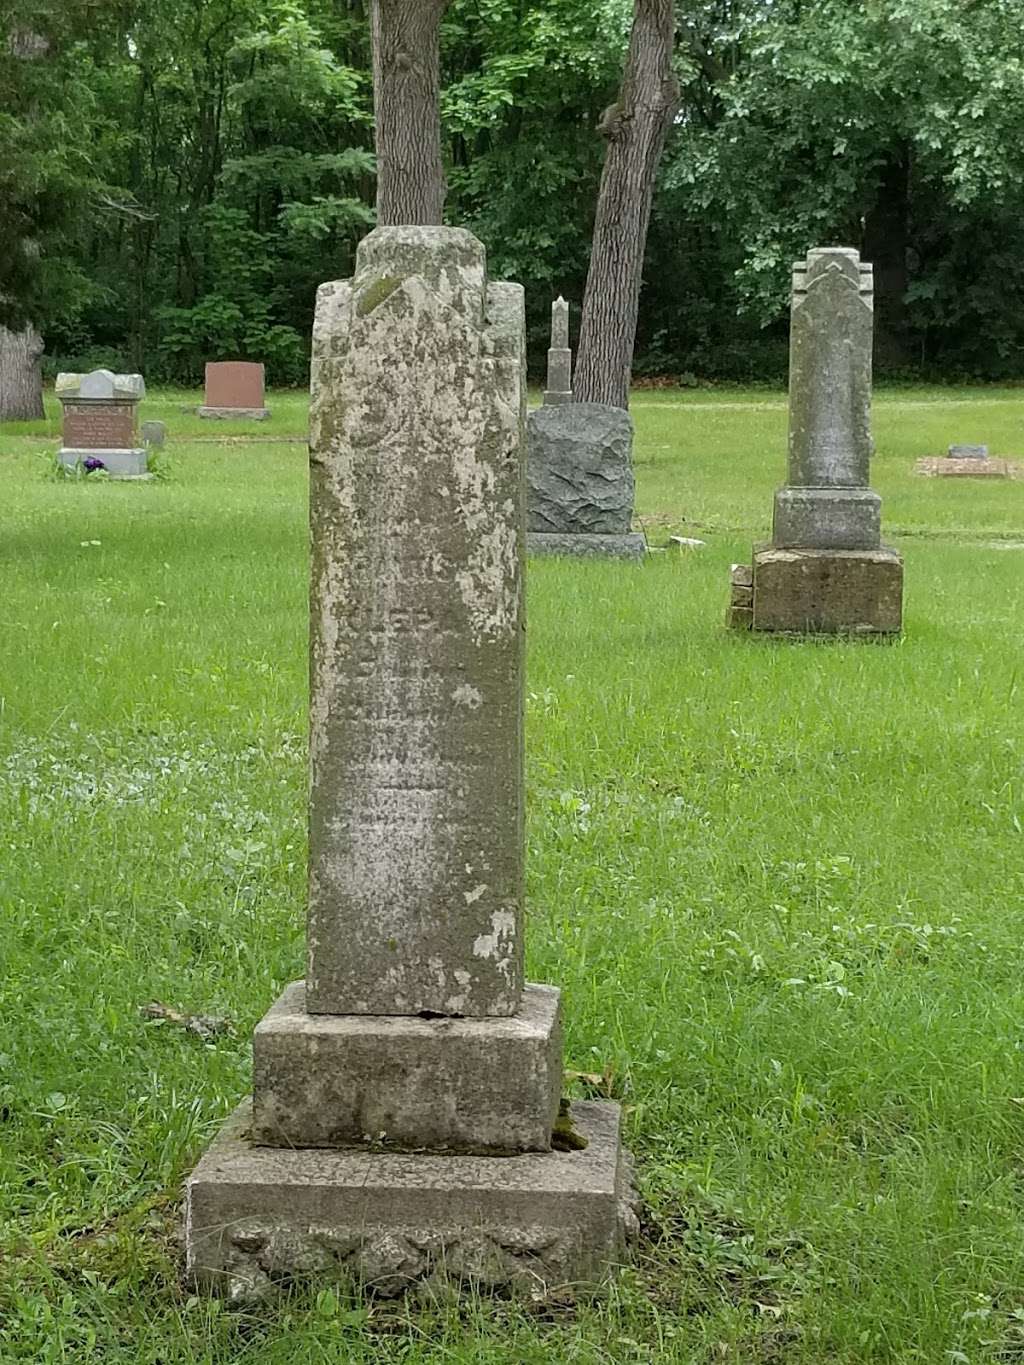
{"x": 405, "y": 1094}
{"x": 559, "y": 387}
{"x": 826, "y": 569}
{"x": 580, "y": 487}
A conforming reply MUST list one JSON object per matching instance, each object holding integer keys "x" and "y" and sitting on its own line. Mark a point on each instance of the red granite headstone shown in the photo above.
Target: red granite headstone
{"x": 99, "y": 426}
{"x": 234, "y": 384}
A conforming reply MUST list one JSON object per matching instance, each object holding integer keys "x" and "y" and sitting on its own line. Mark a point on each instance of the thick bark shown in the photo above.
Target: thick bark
{"x": 21, "y": 375}
{"x": 885, "y": 243}
{"x": 406, "y": 103}
{"x": 635, "y": 127}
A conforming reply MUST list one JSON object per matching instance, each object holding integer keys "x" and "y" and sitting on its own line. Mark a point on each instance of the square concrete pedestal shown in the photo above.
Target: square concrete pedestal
{"x": 252, "y": 414}
{"x": 856, "y": 592}
{"x": 258, "y": 1217}
{"x": 404, "y": 1083}
{"x": 119, "y": 464}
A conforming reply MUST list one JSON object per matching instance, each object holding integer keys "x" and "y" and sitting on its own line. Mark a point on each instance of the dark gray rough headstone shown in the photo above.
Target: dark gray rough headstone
{"x": 579, "y": 470}
{"x": 968, "y": 452}
{"x": 154, "y": 433}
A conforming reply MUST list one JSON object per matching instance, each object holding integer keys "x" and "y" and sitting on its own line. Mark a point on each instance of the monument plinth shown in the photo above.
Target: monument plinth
{"x": 406, "y": 1093}
{"x": 826, "y": 569}
{"x": 100, "y": 423}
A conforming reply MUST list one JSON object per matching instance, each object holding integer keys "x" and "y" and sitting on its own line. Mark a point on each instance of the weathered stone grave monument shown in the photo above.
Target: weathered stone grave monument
{"x": 580, "y": 486}
{"x": 100, "y": 423}
{"x": 826, "y": 568}
{"x": 234, "y": 388}
{"x": 405, "y": 1094}
{"x": 559, "y": 385}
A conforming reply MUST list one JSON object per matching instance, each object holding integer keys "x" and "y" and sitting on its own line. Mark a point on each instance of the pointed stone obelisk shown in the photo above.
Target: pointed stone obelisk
{"x": 559, "y": 387}
{"x": 826, "y": 569}
{"x": 405, "y": 1094}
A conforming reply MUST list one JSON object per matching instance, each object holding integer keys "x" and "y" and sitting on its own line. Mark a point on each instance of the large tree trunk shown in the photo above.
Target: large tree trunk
{"x": 406, "y": 104}
{"x": 885, "y": 243}
{"x": 21, "y": 375}
{"x": 635, "y": 128}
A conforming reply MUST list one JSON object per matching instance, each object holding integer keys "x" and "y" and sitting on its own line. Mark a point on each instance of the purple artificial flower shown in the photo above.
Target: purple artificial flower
{"x": 92, "y": 463}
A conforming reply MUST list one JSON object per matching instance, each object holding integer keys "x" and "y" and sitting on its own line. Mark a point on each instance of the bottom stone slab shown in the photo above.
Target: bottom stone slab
{"x": 119, "y": 464}
{"x": 856, "y": 592}
{"x": 259, "y": 1217}
{"x": 629, "y": 545}
{"x": 484, "y": 1086}
{"x": 254, "y": 414}
{"x": 941, "y": 467}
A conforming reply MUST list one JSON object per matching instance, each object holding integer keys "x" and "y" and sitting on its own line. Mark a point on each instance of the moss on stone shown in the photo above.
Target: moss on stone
{"x": 376, "y": 294}
{"x": 565, "y": 1136}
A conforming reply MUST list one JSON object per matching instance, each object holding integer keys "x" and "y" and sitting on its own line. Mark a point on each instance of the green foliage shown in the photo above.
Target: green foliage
{"x": 812, "y": 114}
{"x": 774, "y": 880}
{"x": 180, "y": 175}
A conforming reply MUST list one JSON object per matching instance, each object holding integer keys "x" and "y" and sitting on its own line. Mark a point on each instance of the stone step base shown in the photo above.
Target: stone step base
{"x": 119, "y": 464}
{"x": 405, "y": 1083}
{"x": 630, "y": 545}
{"x": 259, "y": 1217}
{"x": 254, "y": 414}
{"x": 855, "y": 592}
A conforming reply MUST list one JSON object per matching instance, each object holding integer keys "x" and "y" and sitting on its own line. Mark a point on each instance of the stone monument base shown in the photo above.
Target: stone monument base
{"x": 627, "y": 545}
{"x": 856, "y": 592}
{"x": 253, "y": 414}
{"x": 482, "y": 1086}
{"x": 828, "y": 518}
{"x": 119, "y": 464}
{"x": 961, "y": 467}
{"x": 259, "y": 1217}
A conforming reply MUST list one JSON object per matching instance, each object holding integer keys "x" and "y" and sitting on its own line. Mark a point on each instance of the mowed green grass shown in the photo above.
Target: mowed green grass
{"x": 781, "y": 884}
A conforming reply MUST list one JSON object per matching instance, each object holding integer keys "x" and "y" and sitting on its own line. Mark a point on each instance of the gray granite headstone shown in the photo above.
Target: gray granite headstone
{"x": 968, "y": 452}
{"x": 154, "y": 434}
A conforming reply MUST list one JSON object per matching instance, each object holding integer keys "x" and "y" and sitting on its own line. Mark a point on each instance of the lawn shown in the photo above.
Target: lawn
{"x": 780, "y": 883}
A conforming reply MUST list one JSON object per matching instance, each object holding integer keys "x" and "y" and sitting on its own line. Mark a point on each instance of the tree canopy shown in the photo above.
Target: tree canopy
{"x": 179, "y": 175}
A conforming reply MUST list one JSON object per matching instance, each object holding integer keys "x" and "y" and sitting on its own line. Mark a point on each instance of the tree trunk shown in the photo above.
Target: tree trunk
{"x": 21, "y": 375}
{"x": 406, "y": 105}
{"x": 635, "y": 127}
{"x": 885, "y": 242}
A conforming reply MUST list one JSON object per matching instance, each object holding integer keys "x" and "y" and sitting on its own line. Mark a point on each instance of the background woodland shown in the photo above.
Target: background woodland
{"x": 181, "y": 174}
